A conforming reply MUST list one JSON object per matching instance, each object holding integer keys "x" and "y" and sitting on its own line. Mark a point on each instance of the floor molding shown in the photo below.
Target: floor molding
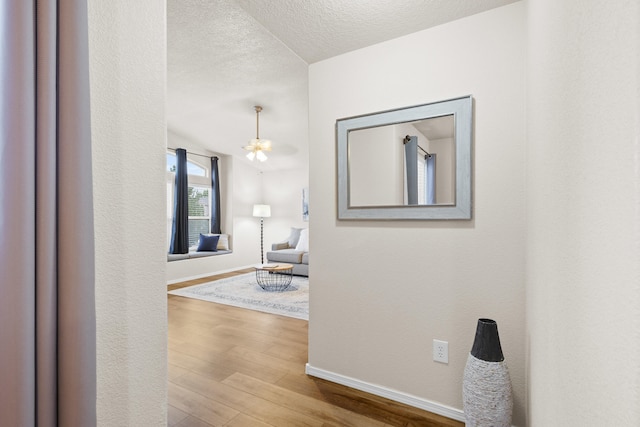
{"x": 407, "y": 399}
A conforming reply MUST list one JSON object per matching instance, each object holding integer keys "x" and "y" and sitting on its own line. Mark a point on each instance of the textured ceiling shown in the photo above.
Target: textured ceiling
{"x": 225, "y": 56}
{"x": 320, "y": 29}
{"x": 222, "y": 62}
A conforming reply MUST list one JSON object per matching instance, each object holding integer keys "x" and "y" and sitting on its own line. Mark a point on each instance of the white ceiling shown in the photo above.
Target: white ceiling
{"x": 225, "y": 56}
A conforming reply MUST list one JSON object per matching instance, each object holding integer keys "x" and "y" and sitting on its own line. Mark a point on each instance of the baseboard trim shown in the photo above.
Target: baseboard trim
{"x": 211, "y": 273}
{"x": 397, "y": 396}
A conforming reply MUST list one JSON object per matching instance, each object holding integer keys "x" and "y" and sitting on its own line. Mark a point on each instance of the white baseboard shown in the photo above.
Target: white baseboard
{"x": 211, "y": 273}
{"x": 397, "y": 396}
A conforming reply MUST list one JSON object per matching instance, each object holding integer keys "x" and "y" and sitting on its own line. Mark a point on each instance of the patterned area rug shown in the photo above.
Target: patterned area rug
{"x": 243, "y": 291}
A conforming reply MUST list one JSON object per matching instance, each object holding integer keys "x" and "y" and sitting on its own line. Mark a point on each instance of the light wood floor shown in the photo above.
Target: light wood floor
{"x": 238, "y": 368}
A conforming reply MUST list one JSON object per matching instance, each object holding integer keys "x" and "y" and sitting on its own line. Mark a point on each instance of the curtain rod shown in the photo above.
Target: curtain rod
{"x": 408, "y": 138}
{"x": 193, "y": 154}
{"x": 424, "y": 151}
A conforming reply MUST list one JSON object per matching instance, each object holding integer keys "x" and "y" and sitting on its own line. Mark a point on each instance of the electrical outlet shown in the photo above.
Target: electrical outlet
{"x": 440, "y": 351}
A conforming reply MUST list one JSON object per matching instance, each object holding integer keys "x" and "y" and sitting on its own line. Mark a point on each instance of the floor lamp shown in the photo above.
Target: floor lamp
{"x": 262, "y": 211}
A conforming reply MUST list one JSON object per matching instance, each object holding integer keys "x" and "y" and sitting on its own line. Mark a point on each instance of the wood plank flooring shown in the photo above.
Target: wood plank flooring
{"x": 234, "y": 367}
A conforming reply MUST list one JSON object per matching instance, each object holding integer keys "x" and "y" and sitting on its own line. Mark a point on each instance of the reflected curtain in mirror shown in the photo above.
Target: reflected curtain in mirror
{"x": 420, "y": 171}
{"x": 411, "y": 168}
{"x": 430, "y": 162}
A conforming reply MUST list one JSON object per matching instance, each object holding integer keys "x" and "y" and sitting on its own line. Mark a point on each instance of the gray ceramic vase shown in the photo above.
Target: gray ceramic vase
{"x": 486, "y": 386}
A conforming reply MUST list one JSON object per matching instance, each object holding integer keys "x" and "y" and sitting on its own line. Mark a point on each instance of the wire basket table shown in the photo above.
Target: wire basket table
{"x": 274, "y": 277}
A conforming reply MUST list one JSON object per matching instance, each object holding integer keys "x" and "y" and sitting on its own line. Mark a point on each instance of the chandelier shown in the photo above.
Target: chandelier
{"x": 257, "y": 146}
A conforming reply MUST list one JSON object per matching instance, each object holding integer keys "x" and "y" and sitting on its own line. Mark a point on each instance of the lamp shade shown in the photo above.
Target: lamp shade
{"x": 263, "y": 211}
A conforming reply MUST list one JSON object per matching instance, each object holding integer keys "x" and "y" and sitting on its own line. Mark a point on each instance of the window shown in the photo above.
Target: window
{"x": 199, "y": 214}
{"x": 192, "y": 168}
{"x": 427, "y": 180}
{"x": 199, "y": 198}
{"x": 422, "y": 180}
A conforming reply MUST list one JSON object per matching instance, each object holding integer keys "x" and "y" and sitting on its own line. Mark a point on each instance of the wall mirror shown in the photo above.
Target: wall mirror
{"x": 409, "y": 163}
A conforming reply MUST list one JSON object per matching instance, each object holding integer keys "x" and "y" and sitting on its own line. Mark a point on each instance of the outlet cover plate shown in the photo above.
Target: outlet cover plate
{"x": 441, "y": 351}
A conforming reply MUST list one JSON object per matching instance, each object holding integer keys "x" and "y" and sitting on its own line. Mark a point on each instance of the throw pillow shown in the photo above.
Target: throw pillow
{"x": 294, "y": 237}
{"x": 303, "y": 243}
{"x": 208, "y": 243}
{"x": 223, "y": 243}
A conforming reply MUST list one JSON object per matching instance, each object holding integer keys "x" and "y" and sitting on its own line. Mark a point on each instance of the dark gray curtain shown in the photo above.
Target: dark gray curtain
{"x": 430, "y": 165}
{"x": 215, "y": 197}
{"x": 47, "y": 291}
{"x": 180, "y": 230}
{"x": 411, "y": 165}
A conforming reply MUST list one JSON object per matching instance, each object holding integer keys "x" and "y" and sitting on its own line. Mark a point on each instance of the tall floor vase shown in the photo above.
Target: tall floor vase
{"x": 486, "y": 386}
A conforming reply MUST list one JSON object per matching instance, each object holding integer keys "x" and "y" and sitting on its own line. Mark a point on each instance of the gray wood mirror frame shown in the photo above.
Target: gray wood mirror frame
{"x": 387, "y": 163}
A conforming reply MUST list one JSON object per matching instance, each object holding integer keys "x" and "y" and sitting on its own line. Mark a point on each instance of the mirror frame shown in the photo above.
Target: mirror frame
{"x": 462, "y": 109}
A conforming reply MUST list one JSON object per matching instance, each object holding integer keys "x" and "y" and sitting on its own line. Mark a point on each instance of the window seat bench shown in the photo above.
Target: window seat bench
{"x": 196, "y": 254}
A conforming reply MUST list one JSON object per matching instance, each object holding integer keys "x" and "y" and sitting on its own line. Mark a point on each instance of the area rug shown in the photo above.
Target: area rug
{"x": 243, "y": 291}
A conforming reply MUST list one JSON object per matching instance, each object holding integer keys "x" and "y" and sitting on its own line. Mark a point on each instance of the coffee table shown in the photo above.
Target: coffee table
{"x": 274, "y": 277}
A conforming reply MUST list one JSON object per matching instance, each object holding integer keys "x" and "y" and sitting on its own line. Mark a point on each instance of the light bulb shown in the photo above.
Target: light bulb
{"x": 261, "y": 156}
{"x": 251, "y": 155}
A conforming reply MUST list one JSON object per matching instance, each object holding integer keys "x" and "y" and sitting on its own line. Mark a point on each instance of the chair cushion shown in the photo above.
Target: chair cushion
{"x": 303, "y": 242}
{"x": 294, "y": 236}
{"x": 280, "y": 245}
{"x": 290, "y": 256}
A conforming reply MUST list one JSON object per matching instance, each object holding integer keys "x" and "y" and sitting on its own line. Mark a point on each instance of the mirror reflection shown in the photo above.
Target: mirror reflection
{"x": 409, "y": 163}
{"x": 416, "y": 163}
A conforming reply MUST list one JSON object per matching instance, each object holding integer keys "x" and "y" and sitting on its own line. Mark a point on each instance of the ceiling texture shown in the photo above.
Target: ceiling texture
{"x": 226, "y": 56}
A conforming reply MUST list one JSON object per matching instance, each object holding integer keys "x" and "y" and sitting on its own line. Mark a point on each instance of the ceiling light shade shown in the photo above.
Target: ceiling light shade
{"x": 258, "y": 146}
{"x": 262, "y": 211}
{"x": 261, "y": 156}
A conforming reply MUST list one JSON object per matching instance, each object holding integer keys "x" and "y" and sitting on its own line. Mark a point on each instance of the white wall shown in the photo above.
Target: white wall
{"x": 445, "y": 169}
{"x": 282, "y": 190}
{"x": 370, "y": 184}
{"x": 127, "y": 73}
{"x": 583, "y": 187}
{"x": 383, "y": 290}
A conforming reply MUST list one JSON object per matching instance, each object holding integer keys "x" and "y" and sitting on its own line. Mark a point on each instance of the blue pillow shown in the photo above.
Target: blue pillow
{"x": 208, "y": 243}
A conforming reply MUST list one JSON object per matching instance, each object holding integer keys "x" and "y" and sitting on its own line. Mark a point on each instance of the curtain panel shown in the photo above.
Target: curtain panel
{"x": 215, "y": 197}
{"x": 47, "y": 292}
{"x": 180, "y": 227}
{"x": 411, "y": 166}
{"x": 430, "y": 166}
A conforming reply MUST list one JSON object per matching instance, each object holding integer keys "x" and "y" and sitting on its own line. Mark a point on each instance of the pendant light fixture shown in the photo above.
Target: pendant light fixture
{"x": 257, "y": 146}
